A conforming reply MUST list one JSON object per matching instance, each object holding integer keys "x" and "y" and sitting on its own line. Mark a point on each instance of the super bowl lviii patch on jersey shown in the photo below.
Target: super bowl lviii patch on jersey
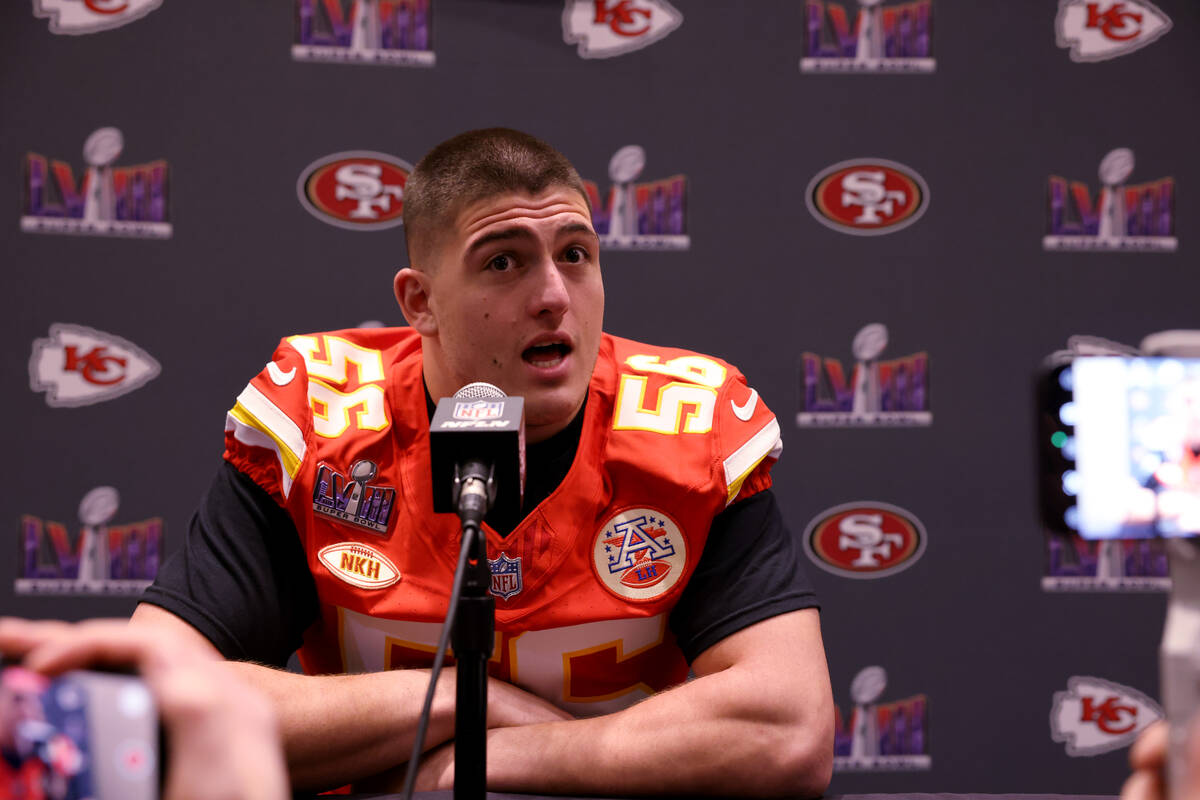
{"x": 640, "y": 554}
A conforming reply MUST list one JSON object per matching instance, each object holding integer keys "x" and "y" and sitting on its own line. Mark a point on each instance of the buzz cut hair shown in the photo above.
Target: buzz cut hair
{"x": 474, "y": 166}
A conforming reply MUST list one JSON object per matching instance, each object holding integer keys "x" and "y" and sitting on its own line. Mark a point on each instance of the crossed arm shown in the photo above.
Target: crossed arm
{"x": 756, "y": 720}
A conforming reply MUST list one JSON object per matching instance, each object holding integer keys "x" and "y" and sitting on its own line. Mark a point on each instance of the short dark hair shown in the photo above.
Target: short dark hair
{"x": 474, "y": 166}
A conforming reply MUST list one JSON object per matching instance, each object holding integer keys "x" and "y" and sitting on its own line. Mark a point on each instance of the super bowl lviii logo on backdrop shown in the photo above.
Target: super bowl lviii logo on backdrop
{"x": 867, "y": 196}
{"x": 1075, "y": 564}
{"x": 1123, "y": 217}
{"x": 358, "y": 190}
{"x": 100, "y": 558}
{"x": 651, "y": 215}
{"x": 1098, "y": 31}
{"x": 877, "y": 393}
{"x": 881, "y": 737}
{"x": 607, "y": 28}
{"x": 106, "y": 201}
{"x": 864, "y": 540}
{"x": 91, "y": 16}
{"x": 1095, "y": 716}
{"x": 78, "y": 366}
{"x": 396, "y": 32}
{"x": 868, "y": 36}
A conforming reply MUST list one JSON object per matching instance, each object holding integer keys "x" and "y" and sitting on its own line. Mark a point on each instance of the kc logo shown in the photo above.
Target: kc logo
{"x": 97, "y": 366}
{"x": 1108, "y": 716}
{"x": 78, "y": 366}
{"x": 1096, "y": 716}
{"x": 1097, "y": 31}
{"x": 1116, "y": 22}
{"x": 623, "y": 17}
{"x": 91, "y": 16}
{"x": 606, "y": 28}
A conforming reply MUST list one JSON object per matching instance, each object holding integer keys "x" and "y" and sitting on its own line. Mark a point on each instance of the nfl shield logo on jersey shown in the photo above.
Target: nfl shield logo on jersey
{"x": 506, "y": 576}
{"x": 478, "y": 409}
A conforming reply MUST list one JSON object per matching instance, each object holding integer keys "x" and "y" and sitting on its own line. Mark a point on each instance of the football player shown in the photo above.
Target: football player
{"x": 649, "y": 543}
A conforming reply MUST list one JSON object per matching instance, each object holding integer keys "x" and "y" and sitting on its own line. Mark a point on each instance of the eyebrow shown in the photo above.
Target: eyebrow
{"x": 521, "y": 232}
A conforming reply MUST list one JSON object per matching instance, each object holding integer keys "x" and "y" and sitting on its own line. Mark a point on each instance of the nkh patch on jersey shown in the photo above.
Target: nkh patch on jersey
{"x": 640, "y": 554}
{"x": 359, "y": 565}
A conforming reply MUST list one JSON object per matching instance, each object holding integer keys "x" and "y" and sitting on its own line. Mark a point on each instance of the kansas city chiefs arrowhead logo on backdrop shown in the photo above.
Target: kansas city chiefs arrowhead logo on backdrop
{"x": 1098, "y": 31}
{"x": 1096, "y": 716}
{"x": 79, "y": 366}
{"x": 606, "y": 28}
{"x": 76, "y": 17}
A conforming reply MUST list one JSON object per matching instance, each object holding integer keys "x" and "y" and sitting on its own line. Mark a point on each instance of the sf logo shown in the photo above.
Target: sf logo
{"x": 95, "y": 366}
{"x": 623, "y": 17}
{"x": 1108, "y": 716}
{"x": 865, "y": 189}
{"x": 360, "y": 182}
{"x": 1115, "y": 23}
{"x": 864, "y": 533}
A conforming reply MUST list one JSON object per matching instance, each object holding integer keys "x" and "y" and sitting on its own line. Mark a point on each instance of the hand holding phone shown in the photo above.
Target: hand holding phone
{"x": 222, "y": 738}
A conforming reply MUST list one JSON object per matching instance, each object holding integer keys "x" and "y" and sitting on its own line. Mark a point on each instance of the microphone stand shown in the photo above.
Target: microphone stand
{"x": 473, "y": 634}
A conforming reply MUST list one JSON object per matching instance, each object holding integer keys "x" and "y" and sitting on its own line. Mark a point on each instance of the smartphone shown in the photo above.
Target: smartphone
{"x": 82, "y": 736}
{"x": 1120, "y": 447}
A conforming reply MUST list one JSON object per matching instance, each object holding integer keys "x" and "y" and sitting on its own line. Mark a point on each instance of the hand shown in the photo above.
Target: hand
{"x": 1147, "y": 758}
{"x": 222, "y": 736}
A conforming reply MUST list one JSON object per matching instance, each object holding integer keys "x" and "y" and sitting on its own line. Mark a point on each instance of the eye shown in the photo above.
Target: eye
{"x": 575, "y": 255}
{"x": 501, "y": 263}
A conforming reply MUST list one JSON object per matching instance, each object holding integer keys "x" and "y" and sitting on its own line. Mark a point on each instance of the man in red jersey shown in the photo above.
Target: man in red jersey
{"x": 649, "y": 544}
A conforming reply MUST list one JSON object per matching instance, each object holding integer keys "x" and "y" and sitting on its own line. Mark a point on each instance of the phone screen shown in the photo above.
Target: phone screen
{"x": 1130, "y": 442}
{"x": 82, "y": 736}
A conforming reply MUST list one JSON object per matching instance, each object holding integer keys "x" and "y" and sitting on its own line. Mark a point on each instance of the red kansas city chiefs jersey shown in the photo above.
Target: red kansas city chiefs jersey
{"x": 336, "y": 430}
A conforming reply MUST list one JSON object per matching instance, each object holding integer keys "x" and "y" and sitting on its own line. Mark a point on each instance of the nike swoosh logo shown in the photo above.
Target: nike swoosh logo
{"x": 278, "y": 376}
{"x": 746, "y": 411}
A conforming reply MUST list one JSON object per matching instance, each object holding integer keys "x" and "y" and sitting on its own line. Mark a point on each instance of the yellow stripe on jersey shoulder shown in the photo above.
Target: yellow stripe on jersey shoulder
{"x": 767, "y": 442}
{"x": 255, "y": 410}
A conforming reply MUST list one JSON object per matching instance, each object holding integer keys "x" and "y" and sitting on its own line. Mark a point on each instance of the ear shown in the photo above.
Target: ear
{"x": 412, "y": 293}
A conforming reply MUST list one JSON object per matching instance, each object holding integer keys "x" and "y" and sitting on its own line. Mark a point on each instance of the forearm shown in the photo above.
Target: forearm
{"x": 703, "y": 737}
{"x": 340, "y": 728}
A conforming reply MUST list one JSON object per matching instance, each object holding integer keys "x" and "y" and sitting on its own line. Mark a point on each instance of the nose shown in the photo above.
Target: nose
{"x": 549, "y": 296}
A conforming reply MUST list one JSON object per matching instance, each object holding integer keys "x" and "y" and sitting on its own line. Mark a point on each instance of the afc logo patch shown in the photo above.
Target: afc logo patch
{"x": 640, "y": 554}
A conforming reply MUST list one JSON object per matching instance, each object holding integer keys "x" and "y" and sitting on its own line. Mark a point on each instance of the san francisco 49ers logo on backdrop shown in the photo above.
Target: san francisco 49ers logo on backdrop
{"x": 91, "y": 16}
{"x": 1098, "y": 31}
{"x": 883, "y": 37}
{"x": 867, "y": 196}
{"x": 864, "y": 540}
{"x": 359, "y": 190}
{"x": 607, "y": 28}
{"x": 391, "y": 32}
{"x": 359, "y": 565}
{"x": 640, "y": 554}
{"x": 79, "y": 366}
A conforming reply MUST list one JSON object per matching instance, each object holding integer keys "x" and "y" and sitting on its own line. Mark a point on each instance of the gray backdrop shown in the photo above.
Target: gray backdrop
{"x": 212, "y": 88}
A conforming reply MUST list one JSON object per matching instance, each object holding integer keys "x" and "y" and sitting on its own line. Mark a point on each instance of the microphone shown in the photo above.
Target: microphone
{"x": 477, "y": 453}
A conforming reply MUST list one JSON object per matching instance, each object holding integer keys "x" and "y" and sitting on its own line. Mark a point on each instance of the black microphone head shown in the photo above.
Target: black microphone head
{"x": 480, "y": 423}
{"x": 479, "y": 390}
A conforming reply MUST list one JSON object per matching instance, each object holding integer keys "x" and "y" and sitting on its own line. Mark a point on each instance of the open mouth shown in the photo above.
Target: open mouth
{"x": 545, "y": 356}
